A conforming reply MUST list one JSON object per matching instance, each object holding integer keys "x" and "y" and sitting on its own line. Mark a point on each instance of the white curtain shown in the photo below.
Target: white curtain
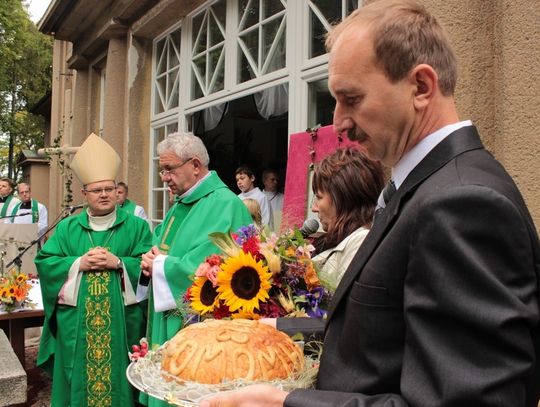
{"x": 273, "y": 101}
{"x": 212, "y": 116}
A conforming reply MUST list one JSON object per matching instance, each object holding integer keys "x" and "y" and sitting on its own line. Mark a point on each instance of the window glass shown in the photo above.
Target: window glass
{"x": 208, "y": 51}
{"x": 321, "y": 103}
{"x": 261, "y": 38}
{"x": 167, "y": 73}
{"x": 322, "y": 15}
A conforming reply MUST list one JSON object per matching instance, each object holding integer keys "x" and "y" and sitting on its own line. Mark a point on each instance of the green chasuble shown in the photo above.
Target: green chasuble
{"x": 183, "y": 235}
{"x": 85, "y": 347}
{"x": 128, "y": 206}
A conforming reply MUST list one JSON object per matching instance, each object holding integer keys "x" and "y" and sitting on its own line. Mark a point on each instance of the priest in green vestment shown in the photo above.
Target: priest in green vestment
{"x": 88, "y": 272}
{"x": 126, "y": 204}
{"x": 7, "y": 200}
{"x": 203, "y": 204}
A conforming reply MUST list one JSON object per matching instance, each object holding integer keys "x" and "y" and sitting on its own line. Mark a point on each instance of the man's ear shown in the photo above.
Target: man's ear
{"x": 426, "y": 81}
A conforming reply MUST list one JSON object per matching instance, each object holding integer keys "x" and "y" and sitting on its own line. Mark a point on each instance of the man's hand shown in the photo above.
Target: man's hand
{"x": 148, "y": 261}
{"x": 98, "y": 258}
{"x": 258, "y": 395}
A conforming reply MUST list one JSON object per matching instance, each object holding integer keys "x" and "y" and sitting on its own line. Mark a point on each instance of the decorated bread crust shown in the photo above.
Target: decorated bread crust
{"x": 215, "y": 351}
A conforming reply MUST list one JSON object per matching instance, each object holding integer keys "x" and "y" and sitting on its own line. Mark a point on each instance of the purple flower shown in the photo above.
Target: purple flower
{"x": 244, "y": 233}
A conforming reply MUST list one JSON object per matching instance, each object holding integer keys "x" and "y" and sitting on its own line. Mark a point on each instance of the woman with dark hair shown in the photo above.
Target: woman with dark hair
{"x": 346, "y": 185}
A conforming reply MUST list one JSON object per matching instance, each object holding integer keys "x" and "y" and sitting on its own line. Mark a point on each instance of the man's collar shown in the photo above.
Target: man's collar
{"x": 413, "y": 157}
{"x": 194, "y": 187}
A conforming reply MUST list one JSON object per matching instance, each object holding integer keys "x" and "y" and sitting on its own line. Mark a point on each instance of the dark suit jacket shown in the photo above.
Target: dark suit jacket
{"x": 440, "y": 305}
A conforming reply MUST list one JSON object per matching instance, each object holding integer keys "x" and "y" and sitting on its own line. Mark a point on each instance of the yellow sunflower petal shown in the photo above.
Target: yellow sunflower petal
{"x": 243, "y": 282}
{"x": 201, "y": 296}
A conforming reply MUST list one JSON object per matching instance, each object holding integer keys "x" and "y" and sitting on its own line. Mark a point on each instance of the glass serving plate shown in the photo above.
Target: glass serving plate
{"x": 147, "y": 376}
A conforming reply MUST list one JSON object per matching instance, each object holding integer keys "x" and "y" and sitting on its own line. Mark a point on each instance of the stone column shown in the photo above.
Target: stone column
{"x": 115, "y": 101}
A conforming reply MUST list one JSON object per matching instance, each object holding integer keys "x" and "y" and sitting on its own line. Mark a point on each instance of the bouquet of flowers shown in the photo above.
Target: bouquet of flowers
{"x": 14, "y": 290}
{"x": 257, "y": 275}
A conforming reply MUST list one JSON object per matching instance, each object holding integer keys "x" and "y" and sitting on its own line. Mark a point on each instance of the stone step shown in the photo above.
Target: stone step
{"x": 12, "y": 375}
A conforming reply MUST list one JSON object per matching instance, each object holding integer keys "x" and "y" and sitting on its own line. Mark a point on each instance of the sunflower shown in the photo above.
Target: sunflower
{"x": 203, "y": 295}
{"x": 245, "y": 315}
{"x": 243, "y": 282}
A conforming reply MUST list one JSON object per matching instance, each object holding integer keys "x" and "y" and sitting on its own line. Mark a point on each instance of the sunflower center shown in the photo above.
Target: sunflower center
{"x": 246, "y": 283}
{"x": 208, "y": 293}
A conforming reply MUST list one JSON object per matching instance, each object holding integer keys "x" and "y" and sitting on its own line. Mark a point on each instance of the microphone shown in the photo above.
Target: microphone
{"x": 309, "y": 227}
{"x": 73, "y": 208}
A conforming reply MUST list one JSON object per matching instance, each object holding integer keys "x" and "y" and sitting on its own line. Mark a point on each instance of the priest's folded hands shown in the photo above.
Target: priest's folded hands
{"x": 148, "y": 261}
{"x": 99, "y": 258}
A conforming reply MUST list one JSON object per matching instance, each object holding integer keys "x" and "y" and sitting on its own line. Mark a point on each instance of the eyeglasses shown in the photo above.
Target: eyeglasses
{"x": 99, "y": 191}
{"x": 168, "y": 171}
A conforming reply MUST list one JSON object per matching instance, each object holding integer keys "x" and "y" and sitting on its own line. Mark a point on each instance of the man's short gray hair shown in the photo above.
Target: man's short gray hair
{"x": 185, "y": 146}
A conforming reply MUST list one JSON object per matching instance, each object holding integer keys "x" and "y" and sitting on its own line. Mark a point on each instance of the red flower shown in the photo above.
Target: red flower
{"x": 251, "y": 246}
{"x": 271, "y": 310}
{"x": 222, "y": 311}
{"x": 214, "y": 260}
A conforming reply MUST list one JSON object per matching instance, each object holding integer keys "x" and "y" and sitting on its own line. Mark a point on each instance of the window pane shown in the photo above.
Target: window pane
{"x": 214, "y": 32}
{"x": 245, "y": 71}
{"x": 173, "y": 82}
{"x": 271, "y": 7}
{"x": 160, "y": 91}
{"x": 321, "y": 104}
{"x": 220, "y": 12}
{"x": 331, "y": 9}
{"x": 249, "y": 13}
{"x": 159, "y": 134}
{"x": 351, "y": 6}
{"x": 172, "y": 128}
{"x": 323, "y": 14}
{"x": 161, "y": 57}
{"x": 208, "y": 51}
{"x": 218, "y": 70}
{"x": 317, "y": 34}
{"x": 199, "y": 66}
{"x": 278, "y": 57}
{"x": 158, "y": 208}
{"x": 199, "y": 34}
{"x": 173, "y": 55}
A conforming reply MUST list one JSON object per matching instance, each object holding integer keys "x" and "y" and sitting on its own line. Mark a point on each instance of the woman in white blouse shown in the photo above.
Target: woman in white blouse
{"x": 346, "y": 185}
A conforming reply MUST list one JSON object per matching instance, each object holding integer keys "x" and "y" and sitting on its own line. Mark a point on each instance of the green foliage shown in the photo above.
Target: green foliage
{"x": 25, "y": 77}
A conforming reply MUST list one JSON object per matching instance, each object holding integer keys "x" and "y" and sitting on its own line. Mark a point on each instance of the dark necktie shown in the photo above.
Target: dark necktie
{"x": 388, "y": 191}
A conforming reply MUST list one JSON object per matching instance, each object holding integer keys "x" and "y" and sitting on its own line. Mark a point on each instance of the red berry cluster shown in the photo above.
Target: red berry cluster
{"x": 139, "y": 351}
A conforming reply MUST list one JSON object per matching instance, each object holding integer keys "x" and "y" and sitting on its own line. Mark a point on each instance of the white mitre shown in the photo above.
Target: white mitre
{"x": 95, "y": 161}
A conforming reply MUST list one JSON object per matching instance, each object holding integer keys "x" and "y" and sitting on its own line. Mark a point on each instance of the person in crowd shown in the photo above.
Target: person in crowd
{"x": 126, "y": 204}
{"x": 204, "y": 205}
{"x": 255, "y": 211}
{"x": 346, "y": 185}
{"x": 439, "y": 307}
{"x": 88, "y": 271}
{"x": 36, "y": 211}
{"x": 272, "y": 192}
{"x": 7, "y": 200}
{"x": 245, "y": 180}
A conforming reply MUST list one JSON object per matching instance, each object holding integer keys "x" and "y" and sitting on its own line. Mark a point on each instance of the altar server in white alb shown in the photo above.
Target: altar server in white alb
{"x": 7, "y": 200}
{"x": 35, "y": 211}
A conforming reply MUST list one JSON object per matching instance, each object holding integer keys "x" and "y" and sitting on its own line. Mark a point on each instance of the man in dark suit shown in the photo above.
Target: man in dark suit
{"x": 440, "y": 305}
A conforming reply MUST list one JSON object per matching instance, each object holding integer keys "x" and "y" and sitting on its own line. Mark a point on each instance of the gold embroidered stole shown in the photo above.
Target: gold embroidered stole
{"x": 173, "y": 224}
{"x": 98, "y": 333}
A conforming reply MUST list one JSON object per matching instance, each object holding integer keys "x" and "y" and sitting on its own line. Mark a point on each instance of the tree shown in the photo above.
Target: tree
{"x": 25, "y": 77}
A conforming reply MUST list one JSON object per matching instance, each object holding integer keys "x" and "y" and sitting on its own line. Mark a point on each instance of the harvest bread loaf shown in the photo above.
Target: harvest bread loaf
{"x": 215, "y": 351}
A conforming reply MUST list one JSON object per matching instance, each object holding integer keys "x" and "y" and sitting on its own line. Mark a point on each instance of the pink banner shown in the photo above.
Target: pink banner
{"x": 305, "y": 149}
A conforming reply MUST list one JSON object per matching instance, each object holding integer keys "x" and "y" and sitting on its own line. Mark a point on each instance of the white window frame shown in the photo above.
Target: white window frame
{"x": 298, "y": 72}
